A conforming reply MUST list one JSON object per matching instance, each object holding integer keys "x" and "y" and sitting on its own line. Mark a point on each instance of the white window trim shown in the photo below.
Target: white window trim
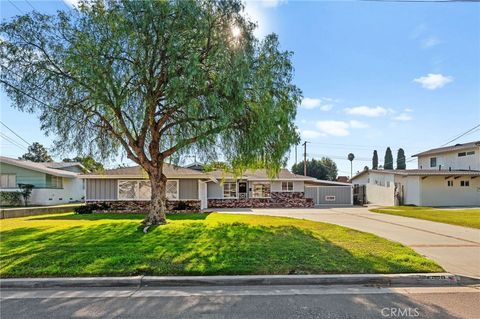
{"x": 178, "y": 189}
{"x": 236, "y": 190}
{"x": 286, "y": 191}
{"x": 253, "y": 192}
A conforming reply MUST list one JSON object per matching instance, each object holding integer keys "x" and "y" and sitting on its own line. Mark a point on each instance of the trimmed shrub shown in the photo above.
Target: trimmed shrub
{"x": 11, "y": 198}
{"x": 87, "y": 209}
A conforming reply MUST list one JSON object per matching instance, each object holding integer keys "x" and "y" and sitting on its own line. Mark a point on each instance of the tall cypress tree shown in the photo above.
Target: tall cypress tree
{"x": 375, "y": 160}
{"x": 388, "y": 164}
{"x": 401, "y": 159}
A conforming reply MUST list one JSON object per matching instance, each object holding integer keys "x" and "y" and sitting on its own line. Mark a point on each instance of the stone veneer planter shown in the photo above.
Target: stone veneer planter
{"x": 142, "y": 206}
{"x": 276, "y": 200}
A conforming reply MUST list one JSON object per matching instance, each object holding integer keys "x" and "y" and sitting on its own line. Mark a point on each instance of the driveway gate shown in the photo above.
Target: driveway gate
{"x": 330, "y": 195}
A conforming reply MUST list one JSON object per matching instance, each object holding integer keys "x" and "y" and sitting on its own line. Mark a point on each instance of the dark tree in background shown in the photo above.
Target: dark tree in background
{"x": 351, "y": 157}
{"x": 37, "y": 153}
{"x": 156, "y": 81}
{"x": 375, "y": 160}
{"x": 401, "y": 163}
{"x": 88, "y": 162}
{"x": 324, "y": 168}
{"x": 388, "y": 162}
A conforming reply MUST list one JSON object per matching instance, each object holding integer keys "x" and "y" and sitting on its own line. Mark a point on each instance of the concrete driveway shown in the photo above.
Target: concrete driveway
{"x": 455, "y": 248}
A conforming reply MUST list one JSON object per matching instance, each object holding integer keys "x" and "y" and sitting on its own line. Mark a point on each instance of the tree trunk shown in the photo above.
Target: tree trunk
{"x": 158, "y": 204}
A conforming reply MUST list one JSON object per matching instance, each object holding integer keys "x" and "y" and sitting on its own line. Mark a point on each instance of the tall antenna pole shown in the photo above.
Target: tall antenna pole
{"x": 305, "y": 158}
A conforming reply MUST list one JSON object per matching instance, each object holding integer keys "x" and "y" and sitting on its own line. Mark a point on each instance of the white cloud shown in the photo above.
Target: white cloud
{"x": 71, "y": 3}
{"x": 403, "y": 117}
{"x": 310, "y": 103}
{"x": 430, "y": 42}
{"x": 335, "y": 128}
{"x": 311, "y": 134}
{"x": 271, "y": 3}
{"x": 358, "y": 124}
{"x": 324, "y": 104}
{"x": 433, "y": 81}
{"x": 367, "y": 111}
{"x": 407, "y": 109}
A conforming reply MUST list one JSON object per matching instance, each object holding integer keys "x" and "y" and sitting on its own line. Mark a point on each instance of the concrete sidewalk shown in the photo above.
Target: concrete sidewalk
{"x": 455, "y": 248}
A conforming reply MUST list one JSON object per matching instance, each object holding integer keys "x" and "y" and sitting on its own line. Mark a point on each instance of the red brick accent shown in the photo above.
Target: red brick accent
{"x": 276, "y": 200}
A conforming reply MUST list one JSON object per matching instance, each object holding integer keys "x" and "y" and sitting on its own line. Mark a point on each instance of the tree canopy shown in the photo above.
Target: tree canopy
{"x": 324, "y": 168}
{"x": 375, "y": 160}
{"x": 401, "y": 164}
{"x": 88, "y": 162}
{"x": 37, "y": 153}
{"x": 388, "y": 161}
{"x": 155, "y": 80}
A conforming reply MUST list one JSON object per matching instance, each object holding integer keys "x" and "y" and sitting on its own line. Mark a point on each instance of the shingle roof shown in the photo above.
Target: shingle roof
{"x": 421, "y": 172}
{"x": 261, "y": 174}
{"x": 456, "y": 147}
{"x": 171, "y": 171}
{"x": 43, "y": 167}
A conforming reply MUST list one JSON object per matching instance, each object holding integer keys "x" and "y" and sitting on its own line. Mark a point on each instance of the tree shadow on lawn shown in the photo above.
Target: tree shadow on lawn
{"x": 180, "y": 249}
{"x": 119, "y": 216}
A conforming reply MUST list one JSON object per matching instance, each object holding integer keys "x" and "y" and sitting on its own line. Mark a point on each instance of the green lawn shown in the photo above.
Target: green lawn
{"x": 196, "y": 244}
{"x": 469, "y": 217}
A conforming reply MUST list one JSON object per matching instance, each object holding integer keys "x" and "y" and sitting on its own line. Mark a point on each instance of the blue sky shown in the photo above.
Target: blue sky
{"x": 373, "y": 74}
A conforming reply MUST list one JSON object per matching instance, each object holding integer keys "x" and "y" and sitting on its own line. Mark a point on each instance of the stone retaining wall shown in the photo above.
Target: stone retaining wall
{"x": 142, "y": 206}
{"x": 276, "y": 200}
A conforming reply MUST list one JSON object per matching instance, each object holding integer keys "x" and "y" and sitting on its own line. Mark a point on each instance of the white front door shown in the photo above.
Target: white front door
{"x": 202, "y": 194}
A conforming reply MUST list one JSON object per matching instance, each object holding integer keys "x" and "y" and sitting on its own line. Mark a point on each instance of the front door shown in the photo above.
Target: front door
{"x": 242, "y": 189}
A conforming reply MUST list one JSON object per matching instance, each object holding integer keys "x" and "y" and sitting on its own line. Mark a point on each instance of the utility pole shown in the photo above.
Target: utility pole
{"x": 305, "y": 158}
{"x": 295, "y": 154}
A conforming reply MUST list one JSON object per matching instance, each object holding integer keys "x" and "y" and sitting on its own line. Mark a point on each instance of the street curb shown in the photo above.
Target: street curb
{"x": 423, "y": 279}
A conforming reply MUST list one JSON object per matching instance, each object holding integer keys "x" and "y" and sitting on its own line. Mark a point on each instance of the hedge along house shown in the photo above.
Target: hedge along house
{"x": 53, "y": 182}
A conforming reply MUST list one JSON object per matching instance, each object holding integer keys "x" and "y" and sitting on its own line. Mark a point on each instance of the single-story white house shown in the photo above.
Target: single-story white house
{"x": 446, "y": 176}
{"x": 53, "y": 182}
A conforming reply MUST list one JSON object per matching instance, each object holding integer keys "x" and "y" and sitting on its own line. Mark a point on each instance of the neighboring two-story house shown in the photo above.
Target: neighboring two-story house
{"x": 446, "y": 176}
{"x": 53, "y": 182}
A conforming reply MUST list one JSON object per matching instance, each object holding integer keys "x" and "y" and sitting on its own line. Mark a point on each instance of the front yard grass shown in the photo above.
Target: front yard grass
{"x": 195, "y": 244}
{"x": 469, "y": 217}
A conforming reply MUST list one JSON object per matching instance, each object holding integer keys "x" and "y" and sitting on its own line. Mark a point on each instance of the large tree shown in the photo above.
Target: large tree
{"x": 88, "y": 162}
{"x": 37, "y": 153}
{"x": 155, "y": 80}
{"x": 388, "y": 160}
{"x": 324, "y": 168}
{"x": 401, "y": 164}
{"x": 375, "y": 160}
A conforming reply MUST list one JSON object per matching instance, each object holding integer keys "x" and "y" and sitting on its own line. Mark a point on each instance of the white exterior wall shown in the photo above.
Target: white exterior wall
{"x": 377, "y": 191}
{"x": 435, "y": 192}
{"x": 411, "y": 189}
{"x": 72, "y": 191}
{"x": 452, "y": 160}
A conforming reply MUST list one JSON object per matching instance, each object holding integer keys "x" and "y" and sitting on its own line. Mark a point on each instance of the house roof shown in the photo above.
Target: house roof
{"x": 261, "y": 175}
{"x": 452, "y": 148}
{"x": 170, "y": 170}
{"x": 420, "y": 172}
{"x": 51, "y": 168}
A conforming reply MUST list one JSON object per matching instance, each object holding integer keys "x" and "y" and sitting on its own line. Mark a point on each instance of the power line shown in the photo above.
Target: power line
{"x": 31, "y": 5}
{"x": 13, "y": 4}
{"x": 13, "y": 141}
{"x": 463, "y": 134}
{"x": 15, "y": 133}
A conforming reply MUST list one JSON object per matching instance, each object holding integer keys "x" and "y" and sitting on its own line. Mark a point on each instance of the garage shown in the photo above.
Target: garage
{"x": 330, "y": 193}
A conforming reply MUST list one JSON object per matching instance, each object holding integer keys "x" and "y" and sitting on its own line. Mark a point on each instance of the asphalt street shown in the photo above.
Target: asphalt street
{"x": 243, "y": 302}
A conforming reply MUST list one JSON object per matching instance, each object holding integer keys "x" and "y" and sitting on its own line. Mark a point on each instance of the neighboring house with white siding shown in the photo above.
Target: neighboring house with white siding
{"x": 53, "y": 182}
{"x": 446, "y": 176}
{"x": 127, "y": 188}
